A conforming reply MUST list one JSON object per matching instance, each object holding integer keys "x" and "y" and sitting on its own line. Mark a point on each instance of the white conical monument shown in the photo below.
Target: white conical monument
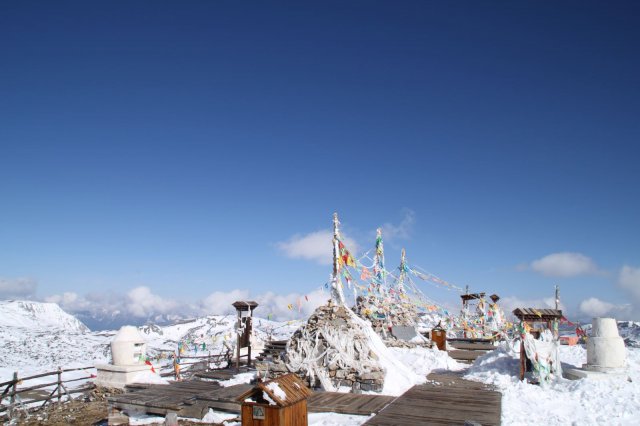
{"x": 128, "y": 356}
{"x": 606, "y": 354}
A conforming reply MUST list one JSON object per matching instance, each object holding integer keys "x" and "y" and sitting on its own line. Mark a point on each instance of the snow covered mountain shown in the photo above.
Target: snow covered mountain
{"x": 37, "y": 315}
{"x": 37, "y": 337}
{"x": 630, "y": 332}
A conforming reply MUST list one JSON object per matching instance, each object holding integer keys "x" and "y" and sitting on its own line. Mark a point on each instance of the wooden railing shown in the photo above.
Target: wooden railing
{"x": 17, "y": 395}
{"x": 186, "y": 361}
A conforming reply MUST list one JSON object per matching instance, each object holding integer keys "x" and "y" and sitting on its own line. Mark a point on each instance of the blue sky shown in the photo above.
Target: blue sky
{"x": 182, "y": 148}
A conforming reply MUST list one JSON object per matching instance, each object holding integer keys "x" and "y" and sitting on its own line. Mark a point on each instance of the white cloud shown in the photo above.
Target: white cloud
{"x": 629, "y": 280}
{"x": 595, "y": 307}
{"x": 509, "y": 303}
{"x": 69, "y": 301}
{"x": 564, "y": 265}
{"x": 401, "y": 231}
{"x": 219, "y": 302}
{"x": 277, "y": 304}
{"x": 18, "y": 288}
{"x": 315, "y": 246}
{"x": 141, "y": 302}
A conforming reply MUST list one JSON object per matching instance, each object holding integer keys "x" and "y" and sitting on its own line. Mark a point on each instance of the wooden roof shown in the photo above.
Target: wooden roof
{"x": 535, "y": 314}
{"x": 244, "y": 305}
{"x": 294, "y": 389}
{"x": 472, "y": 296}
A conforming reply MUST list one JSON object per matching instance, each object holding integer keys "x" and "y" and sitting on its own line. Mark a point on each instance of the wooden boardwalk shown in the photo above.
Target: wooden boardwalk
{"x": 348, "y": 403}
{"x": 193, "y": 399}
{"x": 446, "y": 400}
{"x": 467, "y": 350}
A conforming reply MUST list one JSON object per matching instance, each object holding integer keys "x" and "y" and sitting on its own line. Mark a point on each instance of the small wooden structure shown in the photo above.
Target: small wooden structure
{"x": 466, "y": 298}
{"x": 470, "y": 296}
{"x": 278, "y": 402}
{"x": 245, "y": 313}
{"x": 439, "y": 337}
{"x": 533, "y": 317}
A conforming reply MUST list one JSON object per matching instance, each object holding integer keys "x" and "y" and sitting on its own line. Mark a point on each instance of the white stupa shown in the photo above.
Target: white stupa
{"x": 128, "y": 355}
{"x": 606, "y": 354}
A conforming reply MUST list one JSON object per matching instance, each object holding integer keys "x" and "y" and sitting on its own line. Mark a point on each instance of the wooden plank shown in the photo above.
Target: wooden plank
{"x": 472, "y": 346}
{"x": 447, "y": 399}
{"x": 465, "y": 355}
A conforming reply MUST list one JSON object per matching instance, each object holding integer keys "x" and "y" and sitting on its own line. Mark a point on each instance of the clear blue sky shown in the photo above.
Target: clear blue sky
{"x": 175, "y": 144}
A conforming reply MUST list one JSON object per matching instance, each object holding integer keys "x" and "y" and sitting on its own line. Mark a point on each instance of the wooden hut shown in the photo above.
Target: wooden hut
{"x": 278, "y": 402}
{"x": 534, "y": 319}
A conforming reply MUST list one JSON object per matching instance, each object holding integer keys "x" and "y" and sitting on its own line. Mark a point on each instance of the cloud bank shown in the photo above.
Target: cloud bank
{"x": 141, "y": 304}
{"x": 17, "y": 288}
{"x": 564, "y": 265}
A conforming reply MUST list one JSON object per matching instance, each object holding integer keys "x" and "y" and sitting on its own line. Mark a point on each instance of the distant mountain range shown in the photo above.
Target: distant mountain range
{"x": 36, "y": 337}
{"x": 113, "y": 320}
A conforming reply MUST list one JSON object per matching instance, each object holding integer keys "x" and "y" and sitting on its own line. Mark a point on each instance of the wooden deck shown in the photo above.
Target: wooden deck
{"x": 193, "y": 398}
{"x": 467, "y": 350}
{"x": 348, "y": 403}
{"x": 446, "y": 400}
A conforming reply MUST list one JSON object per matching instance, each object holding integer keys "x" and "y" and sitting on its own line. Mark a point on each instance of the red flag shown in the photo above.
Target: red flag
{"x": 153, "y": 370}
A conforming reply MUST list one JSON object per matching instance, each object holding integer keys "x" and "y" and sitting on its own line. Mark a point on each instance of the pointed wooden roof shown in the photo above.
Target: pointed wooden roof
{"x": 293, "y": 388}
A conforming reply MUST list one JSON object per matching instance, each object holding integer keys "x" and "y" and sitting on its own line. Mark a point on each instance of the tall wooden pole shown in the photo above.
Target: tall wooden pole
{"x": 381, "y": 274}
{"x": 336, "y": 286}
{"x": 557, "y": 296}
{"x": 402, "y": 272}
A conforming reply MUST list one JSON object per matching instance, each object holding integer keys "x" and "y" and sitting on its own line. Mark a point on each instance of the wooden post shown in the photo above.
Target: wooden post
{"x": 249, "y": 326}
{"x": 557, "y": 296}
{"x": 523, "y": 360}
{"x": 336, "y": 289}
{"x": 239, "y": 341}
{"x": 402, "y": 272}
{"x": 59, "y": 384}
{"x": 12, "y": 398}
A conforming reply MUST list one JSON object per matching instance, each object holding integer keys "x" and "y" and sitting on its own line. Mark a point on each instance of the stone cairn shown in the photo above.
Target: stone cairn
{"x": 331, "y": 350}
{"x": 383, "y": 317}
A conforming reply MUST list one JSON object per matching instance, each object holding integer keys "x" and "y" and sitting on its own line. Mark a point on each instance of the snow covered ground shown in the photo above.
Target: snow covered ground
{"x": 564, "y": 402}
{"x": 37, "y": 337}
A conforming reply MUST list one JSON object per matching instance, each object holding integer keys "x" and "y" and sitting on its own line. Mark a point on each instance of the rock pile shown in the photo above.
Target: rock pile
{"x": 331, "y": 350}
{"x": 384, "y": 314}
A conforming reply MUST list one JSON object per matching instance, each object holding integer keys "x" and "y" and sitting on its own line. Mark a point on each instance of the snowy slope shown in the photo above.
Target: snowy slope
{"x": 36, "y": 315}
{"x": 38, "y": 337}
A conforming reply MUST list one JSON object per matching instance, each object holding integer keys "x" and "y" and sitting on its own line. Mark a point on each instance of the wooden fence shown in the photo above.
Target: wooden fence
{"x": 188, "y": 363}
{"x": 17, "y": 396}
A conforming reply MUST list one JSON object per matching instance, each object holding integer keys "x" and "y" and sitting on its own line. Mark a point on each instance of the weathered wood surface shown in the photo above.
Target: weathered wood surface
{"x": 462, "y": 355}
{"x": 347, "y": 403}
{"x": 472, "y": 346}
{"x": 446, "y": 400}
{"x": 188, "y": 398}
{"x": 193, "y": 398}
{"x": 222, "y": 374}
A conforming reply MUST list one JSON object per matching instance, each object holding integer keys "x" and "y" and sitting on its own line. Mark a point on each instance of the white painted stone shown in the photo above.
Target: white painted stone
{"x": 118, "y": 376}
{"x": 128, "y": 347}
{"x": 128, "y": 355}
{"x": 605, "y": 347}
{"x": 606, "y": 354}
